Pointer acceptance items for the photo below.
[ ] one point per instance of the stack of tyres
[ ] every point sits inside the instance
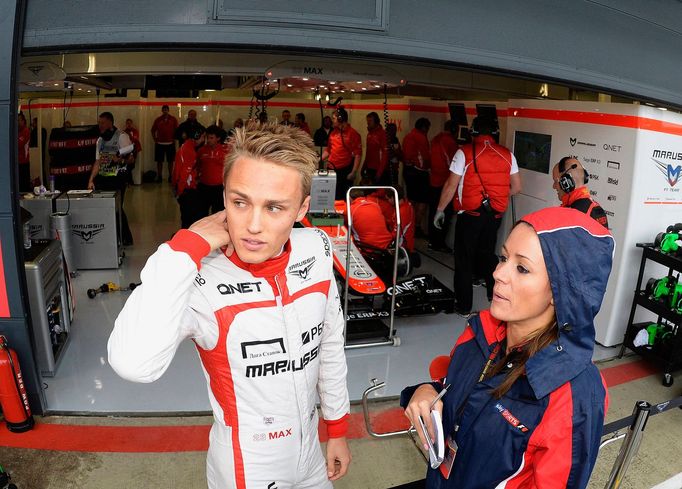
(670, 242)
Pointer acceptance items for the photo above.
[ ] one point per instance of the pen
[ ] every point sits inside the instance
(439, 396)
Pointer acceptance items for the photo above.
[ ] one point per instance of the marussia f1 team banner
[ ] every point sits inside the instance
(660, 158)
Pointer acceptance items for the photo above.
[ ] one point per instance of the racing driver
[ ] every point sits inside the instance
(259, 300)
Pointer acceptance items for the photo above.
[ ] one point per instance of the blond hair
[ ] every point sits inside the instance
(283, 145)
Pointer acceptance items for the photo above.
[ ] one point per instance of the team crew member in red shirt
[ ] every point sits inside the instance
(163, 132)
(443, 149)
(185, 179)
(259, 301)
(299, 121)
(483, 174)
(24, 162)
(417, 163)
(344, 150)
(211, 160)
(570, 183)
(369, 222)
(376, 154)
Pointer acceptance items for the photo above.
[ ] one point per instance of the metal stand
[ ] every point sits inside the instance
(391, 339)
(633, 439)
(636, 423)
(411, 431)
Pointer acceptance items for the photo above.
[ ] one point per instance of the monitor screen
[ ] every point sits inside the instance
(458, 114)
(486, 110)
(533, 150)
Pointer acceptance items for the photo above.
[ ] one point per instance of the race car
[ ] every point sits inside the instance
(370, 293)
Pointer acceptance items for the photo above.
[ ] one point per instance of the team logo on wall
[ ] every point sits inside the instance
(575, 141)
(87, 231)
(670, 173)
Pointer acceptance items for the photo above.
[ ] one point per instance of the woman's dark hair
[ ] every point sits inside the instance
(519, 355)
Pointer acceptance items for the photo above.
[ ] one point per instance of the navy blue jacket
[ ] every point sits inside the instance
(545, 431)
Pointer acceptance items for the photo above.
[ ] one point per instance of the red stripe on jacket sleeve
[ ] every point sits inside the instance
(551, 444)
(191, 243)
(337, 428)
(467, 335)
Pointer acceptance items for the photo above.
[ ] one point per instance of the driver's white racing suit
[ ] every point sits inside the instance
(270, 338)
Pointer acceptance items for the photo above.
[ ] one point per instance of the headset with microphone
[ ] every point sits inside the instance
(341, 114)
(566, 181)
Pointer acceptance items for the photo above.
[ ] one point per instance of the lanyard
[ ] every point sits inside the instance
(486, 368)
(489, 362)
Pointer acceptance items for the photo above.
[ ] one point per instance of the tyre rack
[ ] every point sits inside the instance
(670, 352)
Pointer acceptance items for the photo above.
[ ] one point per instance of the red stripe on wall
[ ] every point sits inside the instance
(128, 439)
(4, 301)
(627, 372)
(616, 120)
(159, 439)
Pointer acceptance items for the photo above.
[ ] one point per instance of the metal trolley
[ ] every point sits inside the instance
(384, 335)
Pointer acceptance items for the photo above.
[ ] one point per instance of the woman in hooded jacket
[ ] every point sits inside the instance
(525, 405)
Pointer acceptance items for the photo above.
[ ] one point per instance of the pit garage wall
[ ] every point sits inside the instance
(404, 112)
(616, 144)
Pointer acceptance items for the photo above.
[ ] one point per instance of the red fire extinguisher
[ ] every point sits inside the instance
(13, 398)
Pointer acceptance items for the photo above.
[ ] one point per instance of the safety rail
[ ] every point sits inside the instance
(635, 424)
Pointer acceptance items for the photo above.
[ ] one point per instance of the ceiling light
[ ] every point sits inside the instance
(332, 82)
(304, 79)
(289, 85)
(210, 90)
(359, 82)
(364, 88)
(56, 84)
(377, 86)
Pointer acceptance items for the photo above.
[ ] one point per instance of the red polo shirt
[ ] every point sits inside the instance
(163, 130)
(211, 162)
(416, 151)
(376, 155)
(343, 146)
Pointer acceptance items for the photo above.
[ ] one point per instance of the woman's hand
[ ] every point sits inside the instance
(420, 405)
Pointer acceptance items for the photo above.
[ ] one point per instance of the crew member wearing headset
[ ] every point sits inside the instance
(566, 174)
(344, 150)
(483, 175)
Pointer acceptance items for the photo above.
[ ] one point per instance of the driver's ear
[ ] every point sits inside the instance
(303, 210)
